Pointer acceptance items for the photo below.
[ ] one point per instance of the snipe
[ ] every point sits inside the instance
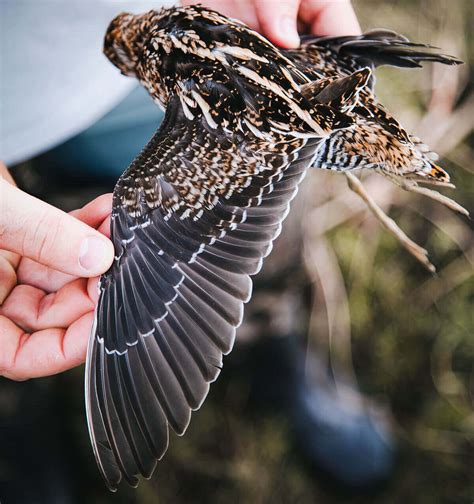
(198, 209)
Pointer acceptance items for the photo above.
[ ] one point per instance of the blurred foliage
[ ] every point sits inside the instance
(413, 335)
(410, 339)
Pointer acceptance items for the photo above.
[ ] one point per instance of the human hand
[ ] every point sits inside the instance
(277, 19)
(48, 281)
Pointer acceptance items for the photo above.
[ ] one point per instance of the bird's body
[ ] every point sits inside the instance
(197, 211)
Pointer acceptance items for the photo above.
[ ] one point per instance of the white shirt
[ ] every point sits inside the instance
(54, 79)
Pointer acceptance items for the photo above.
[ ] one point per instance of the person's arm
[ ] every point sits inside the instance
(277, 19)
(46, 301)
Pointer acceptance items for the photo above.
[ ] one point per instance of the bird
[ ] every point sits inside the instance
(197, 211)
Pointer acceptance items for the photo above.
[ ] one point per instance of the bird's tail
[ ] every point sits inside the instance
(370, 145)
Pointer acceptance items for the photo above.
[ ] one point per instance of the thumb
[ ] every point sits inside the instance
(278, 21)
(34, 229)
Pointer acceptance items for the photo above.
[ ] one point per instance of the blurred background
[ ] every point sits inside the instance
(367, 315)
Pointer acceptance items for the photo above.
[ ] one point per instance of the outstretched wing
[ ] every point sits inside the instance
(193, 218)
(328, 56)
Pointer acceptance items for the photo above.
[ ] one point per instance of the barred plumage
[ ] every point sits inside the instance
(197, 211)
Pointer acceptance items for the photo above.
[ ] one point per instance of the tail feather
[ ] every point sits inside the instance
(431, 172)
(369, 145)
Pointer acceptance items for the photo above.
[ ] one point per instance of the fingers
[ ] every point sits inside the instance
(244, 10)
(43, 277)
(51, 237)
(8, 260)
(95, 214)
(60, 325)
(330, 17)
(33, 310)
(278, 21)
(24, 356)
(96, 211)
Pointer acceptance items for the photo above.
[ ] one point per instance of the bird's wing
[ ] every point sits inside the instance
(373, 48)
(193, 218)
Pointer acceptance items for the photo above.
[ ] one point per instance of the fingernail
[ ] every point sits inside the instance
(92, 254)
(288, 30)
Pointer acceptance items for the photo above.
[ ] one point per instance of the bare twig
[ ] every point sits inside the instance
(325, 272)
(456, 273)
